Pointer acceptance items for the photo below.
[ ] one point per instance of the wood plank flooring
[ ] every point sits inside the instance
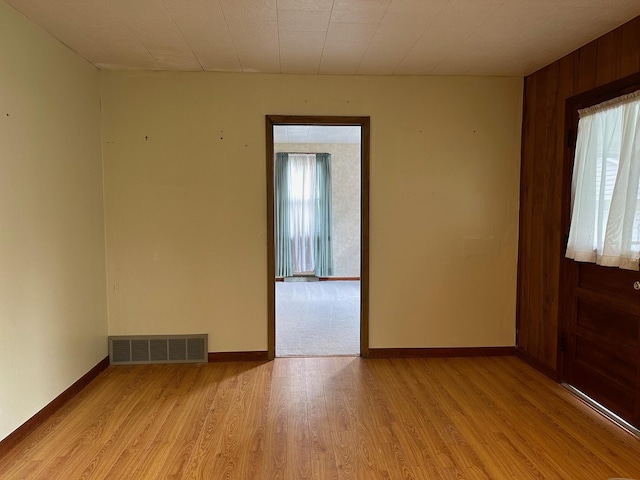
(326, 418)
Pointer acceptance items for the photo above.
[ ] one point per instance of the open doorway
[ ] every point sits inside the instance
(319, 292)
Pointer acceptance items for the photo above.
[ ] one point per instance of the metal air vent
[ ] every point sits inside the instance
(140, 349)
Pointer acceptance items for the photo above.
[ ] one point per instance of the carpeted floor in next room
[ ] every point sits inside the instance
(317, 318)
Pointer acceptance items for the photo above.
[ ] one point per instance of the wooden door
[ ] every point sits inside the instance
(600, 306)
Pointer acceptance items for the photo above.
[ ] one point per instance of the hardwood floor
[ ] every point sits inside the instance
(326, 418)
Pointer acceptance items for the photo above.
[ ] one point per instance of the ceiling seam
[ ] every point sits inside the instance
(235, 48)
(471, 32)
(364, 54)
(420, 37)
(279, 44)
(183, 36)
(133, 32)
(326, 35)
(128, 27)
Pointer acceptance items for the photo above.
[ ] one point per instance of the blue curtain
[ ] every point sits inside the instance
(323, 247)
(282, 207)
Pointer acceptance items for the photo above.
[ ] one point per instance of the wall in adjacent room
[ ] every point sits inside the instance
(53, 320)
(185, 189)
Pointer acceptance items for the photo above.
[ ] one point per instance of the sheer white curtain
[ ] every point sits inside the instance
(605, 218)
(302, 181)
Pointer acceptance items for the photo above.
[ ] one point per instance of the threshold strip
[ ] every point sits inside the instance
(621, 422)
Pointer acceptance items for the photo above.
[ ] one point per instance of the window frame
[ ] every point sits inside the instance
(577, 102)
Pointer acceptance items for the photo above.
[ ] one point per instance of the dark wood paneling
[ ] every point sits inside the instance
(8, 443)
(535, 363)
(541, 245)
(585, 78)
(536, 289)
(524, 316)
(630, 48)
(441, 352)
(606, 59)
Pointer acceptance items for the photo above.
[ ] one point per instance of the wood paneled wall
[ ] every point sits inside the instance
(541, 245)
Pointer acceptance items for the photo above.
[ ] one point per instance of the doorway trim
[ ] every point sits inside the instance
(364, 123)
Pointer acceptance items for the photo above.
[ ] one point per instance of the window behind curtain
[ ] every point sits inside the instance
(605, 218)
(302, 197)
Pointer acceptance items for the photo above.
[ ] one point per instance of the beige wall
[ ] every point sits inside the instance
(53, 322)
(345, 193)
(185, 188)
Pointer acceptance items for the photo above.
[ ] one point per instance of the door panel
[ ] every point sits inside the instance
(602, 357)
(619, 327)
(610, 281)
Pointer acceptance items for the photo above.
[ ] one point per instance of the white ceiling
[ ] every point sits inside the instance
(378, 37)
(315, 134)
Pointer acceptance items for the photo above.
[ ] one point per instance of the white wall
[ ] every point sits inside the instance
(345, 193)
(53, 323)
(185, 184)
